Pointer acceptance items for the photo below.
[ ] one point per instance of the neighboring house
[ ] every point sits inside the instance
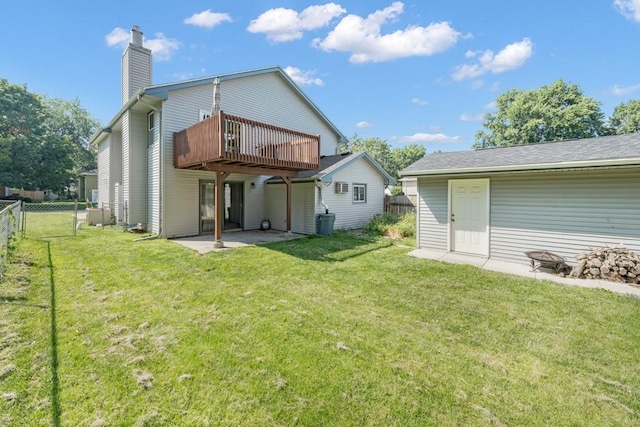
(565, 197)
(88, 185)
(409, 186)
(192, 157)
(349, 185)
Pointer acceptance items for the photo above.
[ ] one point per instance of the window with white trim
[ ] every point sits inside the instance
(203, 115)
(359, 193)
(151, 125)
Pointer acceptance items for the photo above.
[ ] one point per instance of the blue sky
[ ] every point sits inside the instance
(408, 72)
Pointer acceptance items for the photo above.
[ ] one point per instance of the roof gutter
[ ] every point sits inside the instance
(107, 129)
(525, 168)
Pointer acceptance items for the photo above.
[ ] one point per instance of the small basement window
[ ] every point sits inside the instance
(359, 193)
(342, 187)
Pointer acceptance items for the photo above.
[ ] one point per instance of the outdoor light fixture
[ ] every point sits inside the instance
(253, 185)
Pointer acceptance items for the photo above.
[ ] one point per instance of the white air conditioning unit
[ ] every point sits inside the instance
(342, 187)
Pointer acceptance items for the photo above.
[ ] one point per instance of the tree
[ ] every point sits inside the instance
(404, 156)
(626, 118)
(552, 113)
(376, 147)
(391, 160)
(21, 132)
(43, 142)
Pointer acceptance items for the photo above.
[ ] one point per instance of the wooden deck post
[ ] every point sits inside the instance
(219, 209)
(287, 181)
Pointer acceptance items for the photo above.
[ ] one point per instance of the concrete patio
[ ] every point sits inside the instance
(523, 270)
(235, 239)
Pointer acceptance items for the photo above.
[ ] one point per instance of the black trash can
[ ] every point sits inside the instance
(324, 223)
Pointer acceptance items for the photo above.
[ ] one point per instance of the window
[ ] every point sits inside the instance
(359, 193)
(151, 125)
(203, 115)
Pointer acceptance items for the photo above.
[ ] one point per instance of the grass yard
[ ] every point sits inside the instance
(98, 330)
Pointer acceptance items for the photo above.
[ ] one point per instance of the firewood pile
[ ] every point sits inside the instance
(617, 264)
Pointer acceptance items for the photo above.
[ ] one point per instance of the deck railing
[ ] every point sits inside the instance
(225, 138)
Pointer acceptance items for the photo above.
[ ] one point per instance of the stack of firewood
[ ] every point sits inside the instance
(617, 264)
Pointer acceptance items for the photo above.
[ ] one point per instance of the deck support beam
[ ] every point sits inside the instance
(287, 182)
(219, 208)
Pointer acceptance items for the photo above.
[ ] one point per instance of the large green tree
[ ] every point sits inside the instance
(43, 142)
(626, 118)
(21, 132)
(393, 160)
(551, 113)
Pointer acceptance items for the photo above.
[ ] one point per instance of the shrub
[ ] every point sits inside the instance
(393, 225)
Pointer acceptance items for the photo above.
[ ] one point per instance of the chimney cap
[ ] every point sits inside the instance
(136, 36)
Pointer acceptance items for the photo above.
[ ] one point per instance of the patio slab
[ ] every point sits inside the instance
(235, 239)
(523, 270)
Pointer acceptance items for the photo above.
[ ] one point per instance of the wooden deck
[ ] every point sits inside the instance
(232, 143)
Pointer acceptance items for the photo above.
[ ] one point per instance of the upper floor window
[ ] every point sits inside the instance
(359, 193)
(151, 125)
(203, 115)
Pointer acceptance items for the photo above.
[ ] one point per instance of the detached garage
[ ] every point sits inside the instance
(564, 197)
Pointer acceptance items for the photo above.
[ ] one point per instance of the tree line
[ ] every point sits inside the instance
(552, 113)
(44, 142)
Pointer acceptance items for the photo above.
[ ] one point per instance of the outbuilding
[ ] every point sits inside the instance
(498, 203)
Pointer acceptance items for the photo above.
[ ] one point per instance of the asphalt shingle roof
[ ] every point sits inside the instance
(531, 155)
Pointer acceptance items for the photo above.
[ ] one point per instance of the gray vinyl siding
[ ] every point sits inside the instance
(432, 213)
(350, 215)
(564, 212)
(264, 98)
(302, 207)
(153, 183)
(104, 154)
(126, 157)
(136, 71)
(267, 98)
(137, 200)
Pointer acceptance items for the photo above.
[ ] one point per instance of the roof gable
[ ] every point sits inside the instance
(162, 90)
(615, 150)
(330, 165)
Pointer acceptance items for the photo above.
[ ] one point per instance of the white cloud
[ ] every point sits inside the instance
(624, 90)
(363, 39)
(490, 106)
(471, 117)
(283, 25)
(207, 19)
(629, 8)
(429, 138)
(303, 78)
(477, 84)
(511, 57)
(418, 101)
(363, 124)
(161, 46)
(118, 37)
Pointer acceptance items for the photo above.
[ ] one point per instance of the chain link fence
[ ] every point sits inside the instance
(50, 219)
(9, 228)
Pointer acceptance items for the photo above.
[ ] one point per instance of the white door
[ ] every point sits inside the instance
(470, 216)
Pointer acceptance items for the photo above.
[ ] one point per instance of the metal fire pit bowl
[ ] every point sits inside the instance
(546, 259)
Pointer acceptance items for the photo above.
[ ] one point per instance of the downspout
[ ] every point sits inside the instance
(160, 164)
(319, 185)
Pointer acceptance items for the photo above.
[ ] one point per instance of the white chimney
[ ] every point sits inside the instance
(136, 36)
(136, 65)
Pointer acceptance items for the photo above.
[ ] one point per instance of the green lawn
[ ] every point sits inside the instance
(317, 331)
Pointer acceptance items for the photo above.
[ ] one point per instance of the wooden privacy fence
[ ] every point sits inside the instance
(400, 205)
